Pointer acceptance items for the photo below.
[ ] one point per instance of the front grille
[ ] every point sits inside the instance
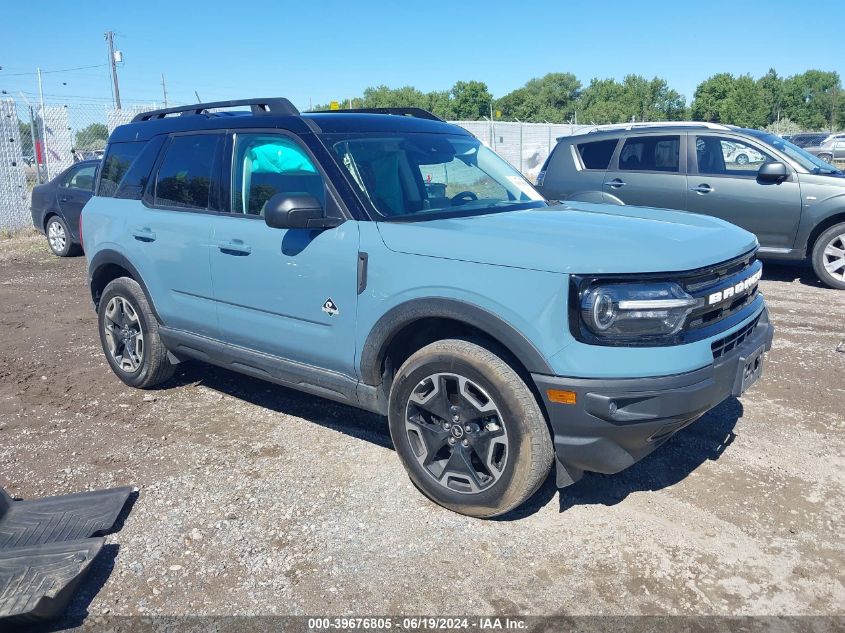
(732, 341)
(716, 280)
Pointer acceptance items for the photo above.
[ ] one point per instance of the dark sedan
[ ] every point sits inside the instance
(56, 206)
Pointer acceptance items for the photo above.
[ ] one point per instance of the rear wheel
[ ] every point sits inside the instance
(129, 335)
(468, 429)
(58, 237)
(829, 256)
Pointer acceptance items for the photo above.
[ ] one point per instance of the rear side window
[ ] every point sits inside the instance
(81, 177)
(134, 182)
(186, 174)
(597, 155)
(651, 153)
(119, 157)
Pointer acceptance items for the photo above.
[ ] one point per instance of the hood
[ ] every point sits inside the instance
(577, 238)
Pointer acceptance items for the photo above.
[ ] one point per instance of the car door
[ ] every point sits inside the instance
(75, 190)
(839, 147)
(169, 238)
(724, 185)
(648, 170)
(289, 293)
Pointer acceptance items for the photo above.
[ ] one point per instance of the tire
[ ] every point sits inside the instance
(58, 237)
(123, 303)
(829, 256)
(501, 432)
(742, 159)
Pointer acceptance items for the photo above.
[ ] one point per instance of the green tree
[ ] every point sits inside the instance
(439, 103)
(470, 100)
(770, 87)
(814, 99)
(636, 98)
(602, 102)
(724, 98)
(548, 98)
(93, 136)
(384, 97)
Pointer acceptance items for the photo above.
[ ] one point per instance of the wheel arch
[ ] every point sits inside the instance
(821, 227)
(423, 320)
(108, 265)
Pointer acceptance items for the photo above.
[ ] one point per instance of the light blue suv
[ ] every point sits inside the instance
(388, 260)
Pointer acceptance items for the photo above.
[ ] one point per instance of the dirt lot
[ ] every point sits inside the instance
(257, 499)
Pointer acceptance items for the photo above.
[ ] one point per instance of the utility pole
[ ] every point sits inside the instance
(110, 40)
(164, 89)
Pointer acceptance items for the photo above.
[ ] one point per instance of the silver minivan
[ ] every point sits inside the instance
(793, 201)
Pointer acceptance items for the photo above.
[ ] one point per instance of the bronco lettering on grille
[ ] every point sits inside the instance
(736, 289)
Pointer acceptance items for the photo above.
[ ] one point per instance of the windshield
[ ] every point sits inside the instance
(428, 176)
(813, 164)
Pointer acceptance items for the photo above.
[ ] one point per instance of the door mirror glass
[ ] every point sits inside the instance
(772, 172)
(296, 211)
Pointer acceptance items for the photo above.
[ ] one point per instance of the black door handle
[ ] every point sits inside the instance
(616, 183)
(702, 188)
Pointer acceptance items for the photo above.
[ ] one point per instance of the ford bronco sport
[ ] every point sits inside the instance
(388, 260)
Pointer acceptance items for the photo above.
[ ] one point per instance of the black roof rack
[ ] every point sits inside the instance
(273, 106)
(417, 113)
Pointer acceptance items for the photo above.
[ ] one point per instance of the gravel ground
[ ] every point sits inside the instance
(255, 499)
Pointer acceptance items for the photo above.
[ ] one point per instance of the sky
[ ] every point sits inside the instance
(316, 52)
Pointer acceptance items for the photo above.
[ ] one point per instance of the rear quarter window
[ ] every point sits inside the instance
(116, 163)
(597, 154)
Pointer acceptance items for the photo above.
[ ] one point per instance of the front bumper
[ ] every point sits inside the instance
(616, 422)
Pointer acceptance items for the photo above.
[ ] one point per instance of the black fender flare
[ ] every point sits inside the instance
(395, 319)
(111, 257)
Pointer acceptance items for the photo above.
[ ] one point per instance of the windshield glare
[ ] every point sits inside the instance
(422, 176)
(808, 161)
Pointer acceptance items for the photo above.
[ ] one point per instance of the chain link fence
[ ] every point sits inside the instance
(37, 144)
(524, 145)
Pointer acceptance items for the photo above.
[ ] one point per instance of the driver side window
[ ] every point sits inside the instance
(723, 156)
(267, 164)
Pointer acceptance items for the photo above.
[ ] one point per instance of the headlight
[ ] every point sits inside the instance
(624, 311)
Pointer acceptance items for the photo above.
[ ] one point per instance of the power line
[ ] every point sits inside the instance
(61, 70)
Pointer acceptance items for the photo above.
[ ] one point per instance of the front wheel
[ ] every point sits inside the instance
(129, 335)
(829, 256)
(468, 429)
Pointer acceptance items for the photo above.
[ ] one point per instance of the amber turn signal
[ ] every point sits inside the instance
(560, 396)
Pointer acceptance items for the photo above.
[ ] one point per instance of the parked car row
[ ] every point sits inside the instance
(793, 201)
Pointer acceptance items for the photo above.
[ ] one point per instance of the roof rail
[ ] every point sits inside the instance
(417, 113)
(271, 106)
(635, 125)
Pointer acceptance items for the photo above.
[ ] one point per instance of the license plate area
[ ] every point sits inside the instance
(749, 371)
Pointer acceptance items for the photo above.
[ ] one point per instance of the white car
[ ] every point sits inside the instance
(741, 154)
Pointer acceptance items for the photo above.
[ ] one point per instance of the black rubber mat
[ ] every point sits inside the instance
(57, 519)
(37, 582)
(46, 549)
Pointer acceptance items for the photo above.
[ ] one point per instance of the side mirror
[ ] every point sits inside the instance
(296, 211)
(772, 172)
